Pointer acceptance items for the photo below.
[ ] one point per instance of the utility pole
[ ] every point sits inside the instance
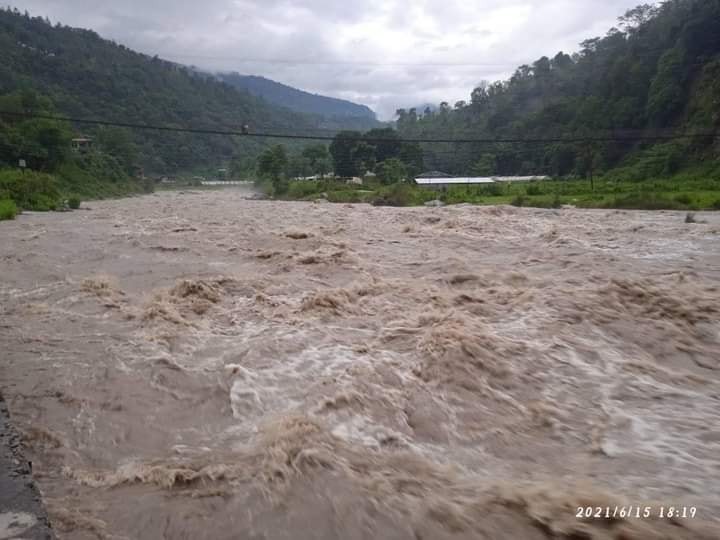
(590, 158)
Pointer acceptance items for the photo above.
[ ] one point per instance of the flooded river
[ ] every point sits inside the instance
(197, 365)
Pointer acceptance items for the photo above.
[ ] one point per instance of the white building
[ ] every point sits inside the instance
(472, 180)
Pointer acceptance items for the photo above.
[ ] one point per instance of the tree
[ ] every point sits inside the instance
(387, 142)
(272, 164)
(479, 97)
(317, 154)
(364, 157)
(119, 142)
(402, 118)
(666, 90)
(636, 17)
(444, 111)
(485, 166)
(323, 166)
(341, 150)
(411, 154)
(299, 167)
(391, 171)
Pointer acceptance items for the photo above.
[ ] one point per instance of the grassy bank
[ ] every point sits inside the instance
(32, 190)
(689, 191)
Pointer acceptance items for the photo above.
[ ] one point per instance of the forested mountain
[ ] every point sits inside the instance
(657, 72)
(86, 76)
(335, 113)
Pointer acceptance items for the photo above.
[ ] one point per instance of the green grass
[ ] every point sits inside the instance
(8, 209)
(690, 190)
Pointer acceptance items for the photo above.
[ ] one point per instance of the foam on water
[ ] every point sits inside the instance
(279, 369)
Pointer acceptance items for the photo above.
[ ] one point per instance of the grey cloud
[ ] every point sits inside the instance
(495, 35)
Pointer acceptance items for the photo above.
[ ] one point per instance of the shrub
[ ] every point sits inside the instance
(683, 199)
(347, 196)
(643, 201)
(518, 200)
(74, 202)
(148, 185)
(395, 195)
(8, 209)
(534, 189)
(716, 205)
(492, 190)
(30, 190)
(300, 189)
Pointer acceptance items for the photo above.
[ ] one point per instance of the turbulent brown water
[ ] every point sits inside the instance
(197, 365)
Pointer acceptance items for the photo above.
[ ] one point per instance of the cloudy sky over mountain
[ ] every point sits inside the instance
(382, 53)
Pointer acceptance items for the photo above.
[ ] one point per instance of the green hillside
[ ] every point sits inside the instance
(86, 76)
(657, 73)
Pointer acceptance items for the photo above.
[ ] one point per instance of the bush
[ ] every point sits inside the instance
(643, 201)
(74, 202)
(518, 200)
(148, 185)
(301, 189)
(8, 209)
(348, 196)
(30, 190)
(534, 189)
(683, 199)
(396, 195)
(716, 205)
(492, 190)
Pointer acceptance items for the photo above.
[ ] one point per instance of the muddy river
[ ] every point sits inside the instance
(197, 365)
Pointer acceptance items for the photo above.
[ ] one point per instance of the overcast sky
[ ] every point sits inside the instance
(382, 53)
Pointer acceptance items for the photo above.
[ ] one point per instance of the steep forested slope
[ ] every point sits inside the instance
(657, 72)
(89, 77)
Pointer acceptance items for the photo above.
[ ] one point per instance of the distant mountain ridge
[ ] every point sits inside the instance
(295, 99)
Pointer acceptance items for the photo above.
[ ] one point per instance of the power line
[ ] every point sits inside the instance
(242, 133)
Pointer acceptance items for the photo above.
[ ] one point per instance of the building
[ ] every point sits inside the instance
(438, 180)
(454, 180)
(519, 178)
(81, 144)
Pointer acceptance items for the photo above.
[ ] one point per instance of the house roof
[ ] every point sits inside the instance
(446, 180)
(454, 180)
(519, 178)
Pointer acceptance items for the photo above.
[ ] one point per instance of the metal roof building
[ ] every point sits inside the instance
(453, 180)
(472, 180)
